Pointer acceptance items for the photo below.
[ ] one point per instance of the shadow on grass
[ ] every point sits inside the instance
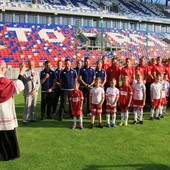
(66, 123)
(133, 166)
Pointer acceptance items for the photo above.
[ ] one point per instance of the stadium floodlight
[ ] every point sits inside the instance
(147, 39)
(76, 36)
(101, 20)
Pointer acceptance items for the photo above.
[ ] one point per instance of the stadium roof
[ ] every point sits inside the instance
(163, 2)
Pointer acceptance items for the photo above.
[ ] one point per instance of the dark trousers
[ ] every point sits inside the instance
(64, 96)
(46, 103)
(57, 94)
(104, 103)
(168, 102)
(86, 94)
(9, 148)
(148, 98)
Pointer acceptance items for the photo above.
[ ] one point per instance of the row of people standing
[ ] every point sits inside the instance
(127, 95)
(59, 83)
(64, 79)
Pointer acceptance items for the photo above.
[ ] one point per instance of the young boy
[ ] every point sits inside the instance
(76, 102)
(125, 98)
(112, 96)
(165, 95)
(97, 96)
(156, 97)
(139, 96)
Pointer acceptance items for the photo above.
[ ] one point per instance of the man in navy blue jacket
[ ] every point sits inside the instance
(47, 80)
(86, 77)
(67, 78)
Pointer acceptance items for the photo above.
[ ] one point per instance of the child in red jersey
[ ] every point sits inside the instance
(97, 96)
(125, 98)
(76, 102)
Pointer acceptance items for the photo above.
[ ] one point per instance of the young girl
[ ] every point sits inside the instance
(76, 102)
(97, 96)
(165, 95)
(139, 96)
(125, 98)
(156, 97)
(112, 96)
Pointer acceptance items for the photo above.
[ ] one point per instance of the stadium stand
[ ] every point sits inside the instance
(128, 8)
(139, 9)
(49, 41)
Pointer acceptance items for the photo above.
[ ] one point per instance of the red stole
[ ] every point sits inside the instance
(7, 89)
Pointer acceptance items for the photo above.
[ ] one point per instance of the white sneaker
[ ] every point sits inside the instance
(89, 114)
(24, 122)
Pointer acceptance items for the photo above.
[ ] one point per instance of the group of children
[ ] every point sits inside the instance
(127, 95)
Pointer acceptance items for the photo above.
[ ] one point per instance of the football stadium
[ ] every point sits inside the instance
(51, 31)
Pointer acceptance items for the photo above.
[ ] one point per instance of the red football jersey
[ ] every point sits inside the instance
(105, 66)
(128, 71)
(167, 70)
(142, 70)
(76, 98)
(159, 69)
(113, 72)
(150, 71)
(124, 94)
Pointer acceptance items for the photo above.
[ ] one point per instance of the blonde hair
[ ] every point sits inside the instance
(113, 79)
(98, 79)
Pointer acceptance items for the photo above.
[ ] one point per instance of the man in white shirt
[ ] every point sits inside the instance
(31, 80)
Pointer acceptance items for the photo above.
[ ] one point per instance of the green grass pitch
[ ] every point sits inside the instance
(52, 145)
